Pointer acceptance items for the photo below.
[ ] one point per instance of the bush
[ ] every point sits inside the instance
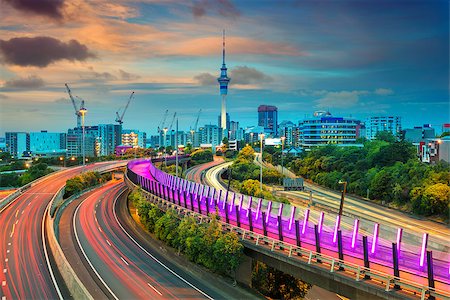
(200, 157)
(81, 182)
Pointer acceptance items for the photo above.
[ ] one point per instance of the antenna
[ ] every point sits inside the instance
(223, 41)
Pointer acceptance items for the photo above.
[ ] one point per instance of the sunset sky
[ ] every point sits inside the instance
(360, 58)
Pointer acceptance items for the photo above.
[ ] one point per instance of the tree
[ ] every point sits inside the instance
(385, 136)
(246, 154)
(228, 253)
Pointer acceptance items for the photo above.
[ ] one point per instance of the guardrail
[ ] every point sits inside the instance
(165, 190)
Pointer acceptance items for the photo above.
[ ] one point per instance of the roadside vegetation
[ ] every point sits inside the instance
(386, 170)
(35, 171)
(200, 157)
(204, 244)
(83, 181)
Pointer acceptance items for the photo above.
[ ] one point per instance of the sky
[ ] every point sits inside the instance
(355, 58)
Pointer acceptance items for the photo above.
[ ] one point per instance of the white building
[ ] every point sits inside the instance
(324, 129)
(47, 143)
(382, 123)
(134, 138)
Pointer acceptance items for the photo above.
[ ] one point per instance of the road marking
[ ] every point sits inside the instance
(12, 231)
(159, 293)
(17, 222)
(3, 283)
(29, 203)
(108, 243)
(3, 297)
(6, 260)
(124, 261)
(17, 212)
(9, 244)
(23, 212)
(100, 229)
(4, 270)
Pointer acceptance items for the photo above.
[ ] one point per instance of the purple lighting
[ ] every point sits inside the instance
(399, 238)
(269, 208)
(355, 233)
(291, 219)
(424, 248)
(375, 237)
(336, 228)
(249, 206)
(320, 225)
(240, 202)
(280, 211)
(232, 202)
(305, 221)
(258, 208)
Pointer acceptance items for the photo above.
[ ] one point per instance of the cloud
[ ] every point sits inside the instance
(41, 51)
(247, 75)
(62, 100)
(128, 76)
(224, 8)
(341, 99)
(103, 76)
(47, 8)
(206, 79)
(3, 96)
(384, 92)
(30, 82)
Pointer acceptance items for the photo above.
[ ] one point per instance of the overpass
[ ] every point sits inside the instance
(341, 261)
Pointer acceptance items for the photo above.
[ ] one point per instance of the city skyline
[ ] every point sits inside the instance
(358, 59)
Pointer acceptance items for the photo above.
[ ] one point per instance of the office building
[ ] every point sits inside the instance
(134, 138)
(45, 143)
(290, 133)
(324, 129)
(383, 123)
(74, 141)
(109, 137)
(210, 134)
(268, 118)
(17, 144)
(2, 144)
(236, 132)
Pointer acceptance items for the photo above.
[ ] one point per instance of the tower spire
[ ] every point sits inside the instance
(223, 52)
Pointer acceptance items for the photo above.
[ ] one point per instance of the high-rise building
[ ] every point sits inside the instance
(289, 131)
(134, 138)
(2, 144)
(227, 123)
(17, 144)
(75, 138)
(324, 129)
(383, 123)
(48, 143)
(210, 134)
(268, 118)
(223, 82)
(109, 136)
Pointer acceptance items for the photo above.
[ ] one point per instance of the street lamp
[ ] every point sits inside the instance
(341, 206)
(63, 161)
(283, 138)
(261, 136)
(83, 111)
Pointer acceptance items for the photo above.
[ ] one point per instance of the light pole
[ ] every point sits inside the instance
(83, 111)
(341, 206)
(261, 136)
(283, 138)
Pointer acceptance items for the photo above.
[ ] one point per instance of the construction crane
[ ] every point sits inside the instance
(77, 110)
(161, 125)
(169, 129)
(194, 129)
(119, 118)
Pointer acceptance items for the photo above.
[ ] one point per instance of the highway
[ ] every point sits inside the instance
(122, 262)
(196, 173)
(23, 257)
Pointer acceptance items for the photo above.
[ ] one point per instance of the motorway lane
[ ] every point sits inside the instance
(24, 269)
(195, 173)
(125, 268)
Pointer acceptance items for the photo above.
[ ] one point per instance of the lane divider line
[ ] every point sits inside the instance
(124, 261)
(159, 293)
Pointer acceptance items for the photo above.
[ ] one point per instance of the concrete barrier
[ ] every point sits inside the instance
(73, 283)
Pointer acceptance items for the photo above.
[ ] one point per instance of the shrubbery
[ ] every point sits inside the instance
(204, 243)
(200, 157)
(84, 181)
(34, 172)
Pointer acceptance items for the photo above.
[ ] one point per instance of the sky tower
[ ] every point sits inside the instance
(223, 81)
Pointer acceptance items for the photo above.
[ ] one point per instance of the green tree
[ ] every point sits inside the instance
(165, 227)
(247, 154)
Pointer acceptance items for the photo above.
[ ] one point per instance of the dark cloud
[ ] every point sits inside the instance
(247, 75)
(41, 51)
(103, 76)
(30, 82)
(48, 8)
(224, 8)
(128, 76)
(206, 79)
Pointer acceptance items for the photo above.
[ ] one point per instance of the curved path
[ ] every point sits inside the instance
(197, 172)
(122, 260)
(24, 260)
